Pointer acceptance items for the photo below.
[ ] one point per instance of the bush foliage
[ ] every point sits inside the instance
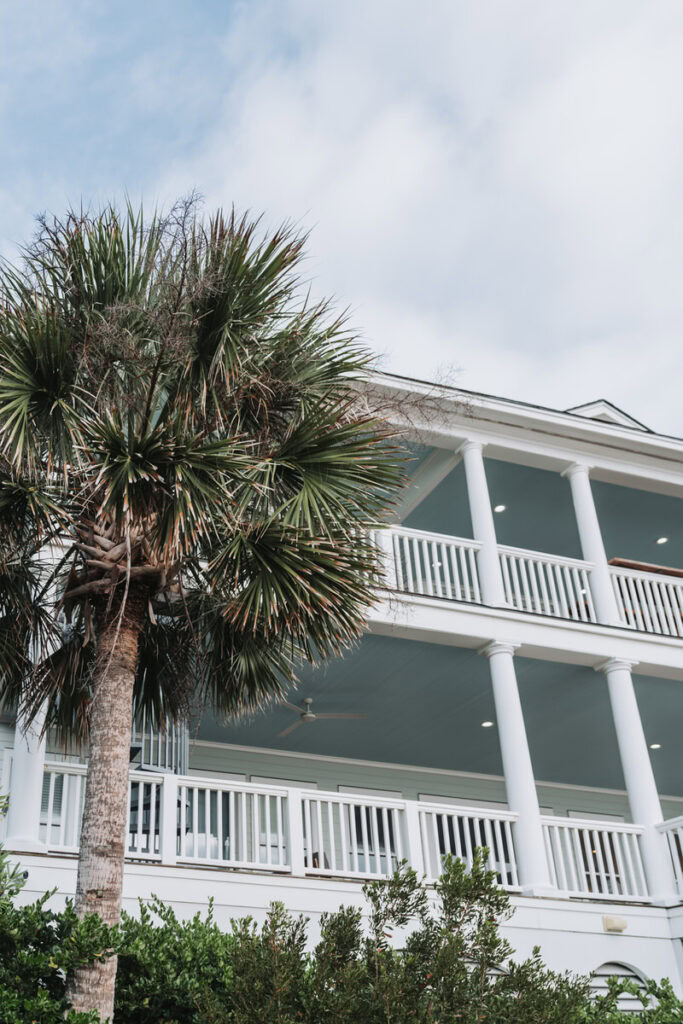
(416, 958)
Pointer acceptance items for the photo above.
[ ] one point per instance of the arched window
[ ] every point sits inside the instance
(629, 1003)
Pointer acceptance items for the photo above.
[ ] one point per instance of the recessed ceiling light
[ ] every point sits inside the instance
(486, 725)
(655, 746)
(662, 540)
(499, 508)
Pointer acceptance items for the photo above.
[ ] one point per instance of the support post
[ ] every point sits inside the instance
(384, 540)
(592, 545)
(519, 776)
(490, 575)
(295, 831)
(414, 852)
(169, 821)
(26, 786)
(639, 778)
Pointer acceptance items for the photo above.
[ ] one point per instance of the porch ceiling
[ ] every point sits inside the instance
(425, 704)
(539, 513)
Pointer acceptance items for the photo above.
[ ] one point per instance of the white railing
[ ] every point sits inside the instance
(160, 748)
(352, 835)
(648, 601)
(459, 831)
(232, 824)
(547, 584)
(595, 859)
(214, 823)
(434, 564)
(62, 809)
(672, 831)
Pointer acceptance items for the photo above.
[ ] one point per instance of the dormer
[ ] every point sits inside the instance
(607, 413)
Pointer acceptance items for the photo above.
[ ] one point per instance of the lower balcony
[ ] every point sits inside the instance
(208, 823)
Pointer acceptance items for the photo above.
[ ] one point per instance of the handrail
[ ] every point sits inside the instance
(546, 556)
(439, 538)
(223, 823)
(650, 602)
(595, 859)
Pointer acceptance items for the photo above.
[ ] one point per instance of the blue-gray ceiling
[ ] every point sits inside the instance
(631, 521)
(425, 704)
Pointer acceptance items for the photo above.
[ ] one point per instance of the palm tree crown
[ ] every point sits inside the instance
(188, 429)
(186, 487)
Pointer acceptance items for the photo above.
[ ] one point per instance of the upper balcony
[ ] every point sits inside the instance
(538, 544)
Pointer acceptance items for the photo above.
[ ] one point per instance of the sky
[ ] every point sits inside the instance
(493, 187)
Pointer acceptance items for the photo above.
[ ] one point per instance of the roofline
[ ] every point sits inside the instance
(575, 418)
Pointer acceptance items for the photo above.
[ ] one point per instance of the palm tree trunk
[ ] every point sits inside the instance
(100, 865)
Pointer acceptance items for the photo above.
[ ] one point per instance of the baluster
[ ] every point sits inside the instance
(532, 567)
(446, 573)
(408, 561)
(475, 591)
(507, 586)
(453, 553)
(561, 592)
(577, 588)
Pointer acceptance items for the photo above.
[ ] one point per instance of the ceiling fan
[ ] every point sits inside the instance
(306, 715)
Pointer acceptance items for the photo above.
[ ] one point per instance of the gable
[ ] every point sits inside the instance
(607, 413)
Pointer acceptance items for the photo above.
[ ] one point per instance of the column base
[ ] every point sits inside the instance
(541, 890)
(23, 844)
(672, 900)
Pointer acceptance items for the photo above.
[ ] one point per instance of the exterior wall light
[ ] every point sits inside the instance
(486, 725)
(655, 746)
(501, 508)
(662, 540)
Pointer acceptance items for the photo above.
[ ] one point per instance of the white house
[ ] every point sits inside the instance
(520, 687)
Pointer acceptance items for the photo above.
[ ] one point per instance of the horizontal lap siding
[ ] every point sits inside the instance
(330, 775)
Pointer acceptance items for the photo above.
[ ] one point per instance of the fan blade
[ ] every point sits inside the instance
(292, 707)
(290, 728)
(340, 714)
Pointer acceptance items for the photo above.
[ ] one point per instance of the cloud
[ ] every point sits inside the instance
(490, 185)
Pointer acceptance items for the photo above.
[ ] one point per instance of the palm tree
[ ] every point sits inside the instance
(181, 424)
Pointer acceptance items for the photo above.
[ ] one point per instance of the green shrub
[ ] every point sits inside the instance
(417, 957)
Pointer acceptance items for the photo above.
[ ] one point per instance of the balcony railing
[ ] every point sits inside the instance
(649, 601)
(433, 564)
(460, 832)
(223, 824)
(437, 565)
(547, 584)
(595, 859)
(672, 831)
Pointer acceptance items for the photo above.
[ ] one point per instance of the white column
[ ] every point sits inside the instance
(591, 543)
(26, 787)
(490, 575)
(640, 782)
(519, 775)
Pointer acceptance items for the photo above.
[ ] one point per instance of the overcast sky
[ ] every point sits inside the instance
(493, 185)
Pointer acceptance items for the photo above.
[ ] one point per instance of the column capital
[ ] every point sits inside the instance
(498, 647)
(576, 469)
(615, 665)
(469, 446)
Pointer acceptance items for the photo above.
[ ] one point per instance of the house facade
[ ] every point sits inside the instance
(520, 687)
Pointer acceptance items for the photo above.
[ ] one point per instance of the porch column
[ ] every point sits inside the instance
(490, 575)
(640, 782)
(519, 775)
(591, 543)
(26, 787)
